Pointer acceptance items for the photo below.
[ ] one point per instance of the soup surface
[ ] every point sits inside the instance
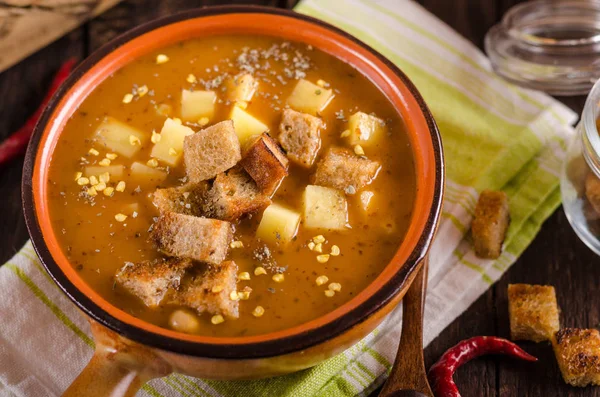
(106, 169)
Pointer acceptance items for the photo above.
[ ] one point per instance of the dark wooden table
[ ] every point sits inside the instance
(556, 257)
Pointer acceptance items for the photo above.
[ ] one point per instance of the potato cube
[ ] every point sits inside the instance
(325, 208)
(120, 137)
(241, 88)
(169, 148)
(577, 352)
(309, 98)
(114, 171)
(278, 224)
(197, 104)
(365, 129)
(141, 172)
(533, 312)
(246, 126)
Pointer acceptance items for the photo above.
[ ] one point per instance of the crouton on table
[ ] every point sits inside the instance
(152, 280)
(342, 169)
(533, 312)
(186, 236)
(300, 137)
(490, 223)
(266, 163)
(186, 199)
(210, 291)
(578, 355)
(232, 195)
(211, 151)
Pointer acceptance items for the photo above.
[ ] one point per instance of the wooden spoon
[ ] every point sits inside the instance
(408, 377)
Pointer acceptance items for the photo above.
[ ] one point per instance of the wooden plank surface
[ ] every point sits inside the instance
(556, 257)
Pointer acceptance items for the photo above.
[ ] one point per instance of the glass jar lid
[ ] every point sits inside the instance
(553, 46)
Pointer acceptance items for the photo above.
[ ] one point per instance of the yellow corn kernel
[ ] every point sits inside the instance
(155, 137)
(259, 271)
(93, 152)
(236, 244)
(191, 79)
(111, 156)
(345, 133)
(335, 250)
(311, 246)
(134, 140)
(104, 162)
(337, 287)
(244, 295)
(234, 296)
(321, 280)
(120, 217)
(278, 278)
(128, 98)
(319, 248)
(218, 319)
(104, 177)
(152, 163)
(216, 289)
(143, 90)
(93, 180)
(244, 276)
(203, 121)
(322, 258)
(329, 293)
(319, 239)
(359, 150)
(258, 311)
(78, 175)
(82, 181)
(160, 59)
(92, 191)
(109, 191)
(120, 186)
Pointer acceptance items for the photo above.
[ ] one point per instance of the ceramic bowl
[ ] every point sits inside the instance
(130, 351)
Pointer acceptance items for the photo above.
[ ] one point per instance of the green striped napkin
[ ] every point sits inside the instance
(495, 136)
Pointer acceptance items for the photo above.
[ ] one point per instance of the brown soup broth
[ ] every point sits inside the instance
(98, 246)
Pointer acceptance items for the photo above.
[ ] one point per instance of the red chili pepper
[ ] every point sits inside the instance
(17, 142)
(440, 374)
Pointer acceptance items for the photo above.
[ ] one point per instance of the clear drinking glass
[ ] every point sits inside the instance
(580, 179)
(553, 46)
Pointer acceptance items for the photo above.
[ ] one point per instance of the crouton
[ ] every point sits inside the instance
(186, 236)
(211, 151)
(300, 137)
(232, 195)
(210, 291)
(592, 190)
(266, 163)
(533, 312)
(151, 281)
(577, 352)
(186, 199)
(341, 169)
(490, 224)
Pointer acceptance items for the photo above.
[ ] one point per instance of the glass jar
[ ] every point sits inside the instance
(549, 45)
(580, 179)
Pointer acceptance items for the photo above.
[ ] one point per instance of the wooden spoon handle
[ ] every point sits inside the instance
(408, 373)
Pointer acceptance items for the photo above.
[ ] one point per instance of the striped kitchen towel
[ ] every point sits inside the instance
(495, 136)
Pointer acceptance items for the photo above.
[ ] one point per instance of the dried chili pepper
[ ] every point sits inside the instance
(17, 142)
(440, 374)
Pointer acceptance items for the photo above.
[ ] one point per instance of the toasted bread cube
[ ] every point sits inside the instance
(299, 135)
(170, 147)
(151, 281)
(592, 190)
(325, 208)
(115, 136)
(365, 129)
(309, 98)
(186, 199)
(278, 224)
(577, 352)
(197, 104)
(232, 195)
(490, 223)
(114, 171)
(142, 173)
(266, 163)
(209, 291)
(246, 125)
(211, 151)
(533, 312)
(186, 236)
(341, 169)
(241, 88)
